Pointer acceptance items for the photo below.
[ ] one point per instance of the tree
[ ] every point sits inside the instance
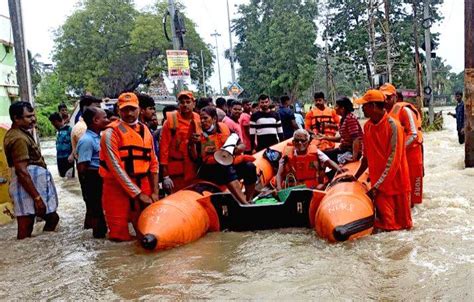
(93, 50)
(276, 48)
(148, 39)
(106, 47)
(51, 92)
(360, 30)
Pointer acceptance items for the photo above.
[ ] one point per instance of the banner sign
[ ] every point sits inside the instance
(178, 65)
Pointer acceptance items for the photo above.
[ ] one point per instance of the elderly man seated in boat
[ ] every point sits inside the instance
(204, 141)
(303, 163)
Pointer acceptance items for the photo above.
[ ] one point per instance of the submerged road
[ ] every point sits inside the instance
(435, 260)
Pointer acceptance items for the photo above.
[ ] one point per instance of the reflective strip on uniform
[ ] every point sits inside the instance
(123, 177)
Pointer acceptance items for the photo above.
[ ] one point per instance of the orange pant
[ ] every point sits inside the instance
(120, 208)
(393, 211)
(415, 166)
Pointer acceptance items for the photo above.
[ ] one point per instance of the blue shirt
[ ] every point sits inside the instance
(286, 116)
(88, 149)
(63, 142)
(460, 115)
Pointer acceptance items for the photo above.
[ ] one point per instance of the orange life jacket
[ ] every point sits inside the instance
(135, 149)
(178, 145)
(211, 143)
(397, 109)
(323, 121)
(305, 168)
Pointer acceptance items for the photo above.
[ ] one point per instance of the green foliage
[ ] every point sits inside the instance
(437, 122)
(51, 93)
(350, 45)
(93, 51)
(276, 49)
(148, 39)
(107, 46)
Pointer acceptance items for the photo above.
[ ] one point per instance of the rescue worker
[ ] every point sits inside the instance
(384, 155)
(129, 168)
(202, 146)
(303, 163)
(410, 119)
(322, 120)
(350, 134)
(178, 170)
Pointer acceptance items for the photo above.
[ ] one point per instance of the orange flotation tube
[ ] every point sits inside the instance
(345, 212)
(188, 214)
(340, 213)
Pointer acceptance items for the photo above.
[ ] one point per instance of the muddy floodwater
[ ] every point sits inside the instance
(435, 260)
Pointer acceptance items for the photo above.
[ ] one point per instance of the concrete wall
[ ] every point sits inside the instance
(8, 81)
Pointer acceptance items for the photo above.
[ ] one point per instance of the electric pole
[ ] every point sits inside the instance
(215, 35)
(21, 52)
(231, 52)
(469, 82)
(203, 76)
(176, 45)
(419, 91)
(429, 73)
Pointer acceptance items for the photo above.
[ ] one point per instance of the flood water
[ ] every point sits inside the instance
(435, 260)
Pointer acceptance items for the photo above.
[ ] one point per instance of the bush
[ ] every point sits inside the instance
(437, 122)
(44, 126)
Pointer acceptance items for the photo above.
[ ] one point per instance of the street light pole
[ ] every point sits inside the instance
(231, 52)
(215, 35)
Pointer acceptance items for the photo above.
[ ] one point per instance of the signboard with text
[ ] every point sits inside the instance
(235, 89)
(178, 65)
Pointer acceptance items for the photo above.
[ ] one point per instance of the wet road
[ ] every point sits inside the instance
(435, 260)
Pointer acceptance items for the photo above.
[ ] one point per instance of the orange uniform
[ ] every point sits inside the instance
(173, 149)
(325, 122)
(306, 169)
(410, 119)
(388, 170)
(127, 159)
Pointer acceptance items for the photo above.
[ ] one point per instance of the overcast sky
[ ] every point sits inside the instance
(41, 17)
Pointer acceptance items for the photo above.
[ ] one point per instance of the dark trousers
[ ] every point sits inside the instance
(91, 186)
(64, 165)
(461, 137)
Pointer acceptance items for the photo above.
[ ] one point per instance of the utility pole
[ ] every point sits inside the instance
(469, 82)
(231, 52)
(419, 91)
(429, 72)
(176, 45)
(215, 35)
(21, 52)
(203, 75)
(388, 39)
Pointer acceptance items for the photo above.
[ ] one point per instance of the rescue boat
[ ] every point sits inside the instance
(342, 212)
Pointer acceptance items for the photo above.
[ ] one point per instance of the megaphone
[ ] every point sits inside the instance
(225, 155)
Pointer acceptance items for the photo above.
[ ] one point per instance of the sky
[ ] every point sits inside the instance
(42, 17)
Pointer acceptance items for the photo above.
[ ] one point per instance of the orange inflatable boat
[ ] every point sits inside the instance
(341, 212)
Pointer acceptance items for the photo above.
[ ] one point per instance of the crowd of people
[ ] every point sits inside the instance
(126, 161)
